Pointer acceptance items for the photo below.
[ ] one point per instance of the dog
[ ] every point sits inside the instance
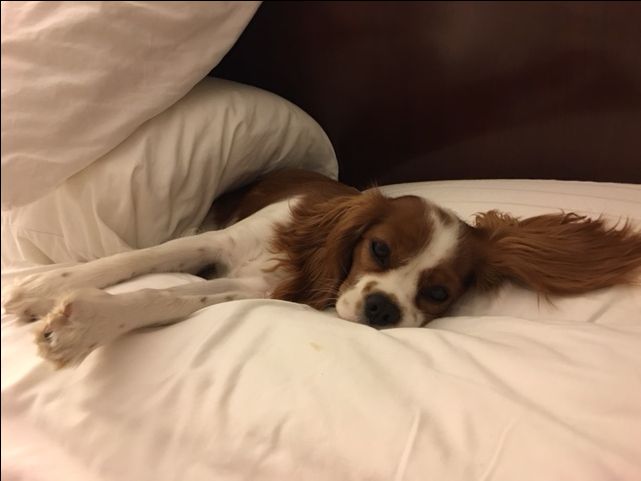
(302, 237)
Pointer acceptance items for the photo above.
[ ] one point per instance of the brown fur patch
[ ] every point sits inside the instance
(203, 299)
(369, 286)
(557, 253)
(65, 274)
(271, 188)
(318, 243)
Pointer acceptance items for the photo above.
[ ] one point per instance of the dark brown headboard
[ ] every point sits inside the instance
(420, 90)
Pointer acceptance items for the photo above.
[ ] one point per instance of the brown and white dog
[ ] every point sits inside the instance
(299, 236)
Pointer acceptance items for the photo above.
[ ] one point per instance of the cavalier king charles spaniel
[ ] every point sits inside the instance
(299, 236)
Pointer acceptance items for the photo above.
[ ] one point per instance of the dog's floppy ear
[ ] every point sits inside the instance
(318, 245)
(556, 253)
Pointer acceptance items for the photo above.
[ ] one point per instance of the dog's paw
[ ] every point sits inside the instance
(74, 328)
(32, 297)
(50, 284)
(25, 308)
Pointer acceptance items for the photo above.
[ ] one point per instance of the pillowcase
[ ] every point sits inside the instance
(79, 77)
(160, 182)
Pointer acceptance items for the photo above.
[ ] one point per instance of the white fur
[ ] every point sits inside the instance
(402, 282)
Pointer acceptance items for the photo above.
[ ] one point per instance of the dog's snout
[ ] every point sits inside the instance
(381, 311)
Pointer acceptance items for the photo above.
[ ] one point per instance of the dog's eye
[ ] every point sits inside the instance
(380, 251)
(435, 293)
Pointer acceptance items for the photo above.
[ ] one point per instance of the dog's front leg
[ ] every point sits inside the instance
(33, 296)
(87, 318)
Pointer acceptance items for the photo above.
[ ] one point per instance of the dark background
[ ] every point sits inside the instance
(412, 91)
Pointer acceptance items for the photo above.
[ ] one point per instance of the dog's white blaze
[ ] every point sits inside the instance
(402, 283)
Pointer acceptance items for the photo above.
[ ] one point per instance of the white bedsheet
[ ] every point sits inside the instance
(507, 388)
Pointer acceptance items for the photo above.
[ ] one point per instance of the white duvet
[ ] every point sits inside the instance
(78, 78)
(508, 388)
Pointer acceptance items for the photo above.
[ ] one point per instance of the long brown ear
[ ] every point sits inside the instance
(317, 245)
(557, 253)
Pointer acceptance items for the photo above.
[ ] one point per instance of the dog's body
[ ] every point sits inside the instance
(299, 236)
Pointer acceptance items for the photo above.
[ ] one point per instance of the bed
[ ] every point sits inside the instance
(509, 386)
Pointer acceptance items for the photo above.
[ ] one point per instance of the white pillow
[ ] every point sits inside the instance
(160, 182)
(79, 77)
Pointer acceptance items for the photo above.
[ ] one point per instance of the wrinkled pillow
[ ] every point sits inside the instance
(79, 77)
(160, 182)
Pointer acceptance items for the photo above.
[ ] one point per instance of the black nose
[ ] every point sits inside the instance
(381, 311)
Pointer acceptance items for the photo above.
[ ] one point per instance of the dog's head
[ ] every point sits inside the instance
(408, 266)
(404, 261)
